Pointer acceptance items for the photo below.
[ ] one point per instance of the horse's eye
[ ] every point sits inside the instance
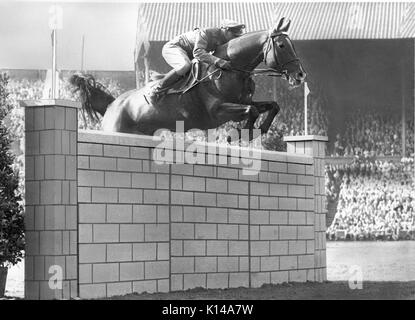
(280, 45)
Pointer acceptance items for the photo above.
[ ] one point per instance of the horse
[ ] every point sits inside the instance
(221, 96)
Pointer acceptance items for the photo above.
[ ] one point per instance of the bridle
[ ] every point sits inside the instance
(281, 68)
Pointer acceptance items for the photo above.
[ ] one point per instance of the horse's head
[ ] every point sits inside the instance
(279, 54)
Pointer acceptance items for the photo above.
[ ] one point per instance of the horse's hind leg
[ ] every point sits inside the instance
(264, 106)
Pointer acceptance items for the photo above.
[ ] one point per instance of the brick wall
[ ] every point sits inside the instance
(117, 222)
(156, 228)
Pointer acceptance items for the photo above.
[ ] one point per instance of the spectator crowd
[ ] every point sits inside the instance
(372, 133)
(376, 200)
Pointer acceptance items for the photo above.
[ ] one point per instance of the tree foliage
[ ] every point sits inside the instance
(11, 210)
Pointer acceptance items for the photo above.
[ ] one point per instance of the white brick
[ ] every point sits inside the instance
(193, 183)
(278, 217)
(205, 231)
(228, 264)
(228, 231)
(306, 261)
(119, 252)
(149, 286)
(91, 213)
(269, 263)
(268, 232)
(117, 179)
(119, 289)
(182, 264)
(238, 248)
(106, 272)
(237, 280)
(194, 281)
(298, 276)
(156, 232)
(238, 216)
(102, 163)
(217, 248)
(194, 247)
(288, 262)
(218, 215)
(131, 271)
(259, 217)
(288, 232)
(205, 264)
(297, 247)
(119, 213)
(156, 270)
(194, 214)
(131, 232)
(106, 233)
(144, 251)
(260, 278)
(163, 251)
(217, 280)
(182, 231)
(92, 291)
(144, 213)
(260, 248)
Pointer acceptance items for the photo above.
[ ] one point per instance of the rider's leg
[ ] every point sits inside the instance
(178, 59)
(170, 78)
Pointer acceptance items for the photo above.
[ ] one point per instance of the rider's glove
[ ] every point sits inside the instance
(223, 64)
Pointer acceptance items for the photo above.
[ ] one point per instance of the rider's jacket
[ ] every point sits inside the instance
(200, 42)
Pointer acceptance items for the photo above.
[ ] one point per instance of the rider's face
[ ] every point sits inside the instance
(229, 34)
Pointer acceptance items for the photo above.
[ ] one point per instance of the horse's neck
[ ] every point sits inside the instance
(245, 51)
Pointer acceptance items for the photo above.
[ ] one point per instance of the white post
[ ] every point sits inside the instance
(306, 92)
(54, 46)
(55, 23)
(82, 52)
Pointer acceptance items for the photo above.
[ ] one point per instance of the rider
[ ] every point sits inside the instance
(198, 43)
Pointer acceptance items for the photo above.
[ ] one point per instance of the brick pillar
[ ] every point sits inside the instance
(51, 199)
(315, 146)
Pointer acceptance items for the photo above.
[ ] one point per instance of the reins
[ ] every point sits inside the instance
(271, 72)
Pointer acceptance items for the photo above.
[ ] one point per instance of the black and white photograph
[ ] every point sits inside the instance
(207, 151)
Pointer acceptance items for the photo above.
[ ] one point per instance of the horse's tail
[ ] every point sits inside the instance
(94, 96)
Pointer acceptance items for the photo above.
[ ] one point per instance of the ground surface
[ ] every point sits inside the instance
(387, 269)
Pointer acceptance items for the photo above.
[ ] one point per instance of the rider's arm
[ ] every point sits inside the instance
(201, 48)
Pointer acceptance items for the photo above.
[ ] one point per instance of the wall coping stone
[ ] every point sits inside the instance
(49, 103)
(309, 137)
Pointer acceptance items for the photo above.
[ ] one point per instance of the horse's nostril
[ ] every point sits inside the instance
(301, 76)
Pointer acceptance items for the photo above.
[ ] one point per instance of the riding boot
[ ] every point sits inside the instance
(170, 78)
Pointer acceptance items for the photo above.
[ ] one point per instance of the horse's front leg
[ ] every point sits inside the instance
(228, 111)
(264, 106)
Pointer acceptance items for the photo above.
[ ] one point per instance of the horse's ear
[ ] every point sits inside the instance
(286, 26)
(283, 25)
(280, 23)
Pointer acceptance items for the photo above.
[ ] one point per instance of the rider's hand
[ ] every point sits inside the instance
(223, 64)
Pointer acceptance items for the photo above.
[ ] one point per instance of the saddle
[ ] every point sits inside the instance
(189, 80)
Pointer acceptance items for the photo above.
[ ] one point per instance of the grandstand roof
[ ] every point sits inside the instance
(311, 20)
